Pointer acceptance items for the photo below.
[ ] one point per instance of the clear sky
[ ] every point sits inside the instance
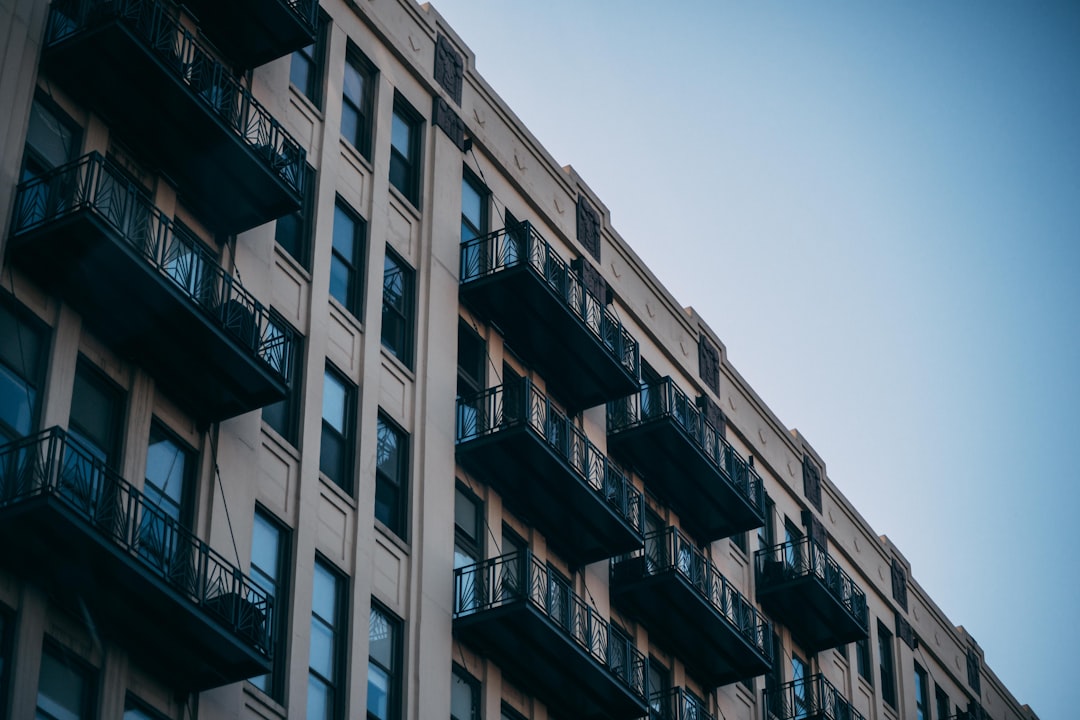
(877, 208)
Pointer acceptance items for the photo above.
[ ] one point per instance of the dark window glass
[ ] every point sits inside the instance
(922, 694)
(346, 278)
(356, 101)
(65, 687)
(306, 68)
(384, 668)
(391, 476)
(659, 685)
(270, 571)
(941, 699)
(397, 307)
(468, 518)
(96, 414)
(474, 208)
(798, 691)
(338, 429)
(405, 151)
(862, 660)
(169, 479)
(326, 661)
(284, 415)
(52, 139)
(293, 231)
(22, 355)
(885, 659)
(464, 696)
(136, 709)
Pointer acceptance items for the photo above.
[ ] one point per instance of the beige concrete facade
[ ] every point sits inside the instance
(243, 464)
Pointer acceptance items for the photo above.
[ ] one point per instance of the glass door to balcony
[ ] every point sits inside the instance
(166, 507)
(800, 701)
(94, 425)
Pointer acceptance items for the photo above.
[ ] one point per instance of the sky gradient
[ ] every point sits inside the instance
(877, 208)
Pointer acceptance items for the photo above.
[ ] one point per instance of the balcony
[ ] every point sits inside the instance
(801, 586)
(515, 279)
(96, 543)
(685, 461)
(547, 639)
(684, 601)
(87, 232)
(677, 704)
(254, 32)
(812, 698)
(549, 472)
(179, 110)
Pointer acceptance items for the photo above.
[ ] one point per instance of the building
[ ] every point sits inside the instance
(244, 244)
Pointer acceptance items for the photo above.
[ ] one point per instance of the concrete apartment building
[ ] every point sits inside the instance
(325, 391)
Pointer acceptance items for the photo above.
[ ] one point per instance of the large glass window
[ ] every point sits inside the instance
(922, 694)
(65, 687)
(356, 100)
(52, 139)
(886, 665)
(346, 261)
(464, 696)
(405, 151)
(800, 697)
(863, 661)
(270, 571)
(94, 428)
(326, 662)
(306, 68)
(293, 231)
(391, 476)
(338, 429)
(397, 307)
(22, 354)
(474, 208)
(941, 700)
(384, 665)
(169, 467)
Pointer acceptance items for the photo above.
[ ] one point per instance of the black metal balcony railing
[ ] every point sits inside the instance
(93, 185)
(254, 32)
(499, 254)
(521, 580)
(812, 698)
(663, 401)
(150, 78)
(804, 587)
(53, 469)
(677, 704)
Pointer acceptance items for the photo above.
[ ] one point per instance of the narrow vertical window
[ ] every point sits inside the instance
(358, 90)
(293, 231)
(169, 478)
(941, 700)
(270, 571)
(803, 700)
(346, 278)
(886, 666)
(405, 151)
(391, 476)
(922, 694)
(65, 687)
(326, 663)
(22, 355)
(7, 635)
(474, 208)
(863, 661)
(338, 429)
(52, 139)
(397, 307)
(464, 695)
(306, 68)
(384, 670)
(284, 415)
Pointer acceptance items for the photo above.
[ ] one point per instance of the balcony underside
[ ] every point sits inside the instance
(145, 316)
(682, 620)
(182, 643)
(804, 604)
(677, 470)
(580, 370)
(152, 111)
(540, 486)
(253, 32)
(546, 663)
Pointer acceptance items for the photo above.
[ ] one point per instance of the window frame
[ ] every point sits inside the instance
(346, 437)
(409, 164)
(339, 633)
(363, 107)
(394, 672)
(89, 675)
(942, 702)
(24, 321)
(922, 693)
(397, 519)
(289, 406)
(279, 592)
(864, 661)
(35, 162)
(458, 673)
(468, 178)
(353, 301)
(404, 313)
(886, 665)
(301, 223)
(316, 62)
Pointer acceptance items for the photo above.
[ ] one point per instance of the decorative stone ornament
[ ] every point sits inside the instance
(449, 68)
(588, 227)
(709, 364)
(444, 117)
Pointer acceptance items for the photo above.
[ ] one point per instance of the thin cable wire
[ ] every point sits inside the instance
(217, 473)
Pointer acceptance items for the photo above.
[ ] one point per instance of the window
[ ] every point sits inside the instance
(803, 701)
(474, 208)
(391, 476)
(65, 686)
(620, 653)
(397, 307)
(94, 429)
(515, 567)
(405, 151)
(306, 68)
(922, 694)
(338, 429)
(468, 516)
(293, 231)
(284, 415)
(659, 685)
(863, 661)
(22, 356)
(136, 709)
(941, 699)
(7, 635)
(509, 713)
(52, 139)
(270, 571)
(739, 540)
(356, 101)
(464, 696)
(169, 469)
(888, 676)
(471, 358)
(384, 672)
(326, 661)
(346, 278)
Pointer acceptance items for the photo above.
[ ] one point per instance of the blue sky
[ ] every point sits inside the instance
(877, 208)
